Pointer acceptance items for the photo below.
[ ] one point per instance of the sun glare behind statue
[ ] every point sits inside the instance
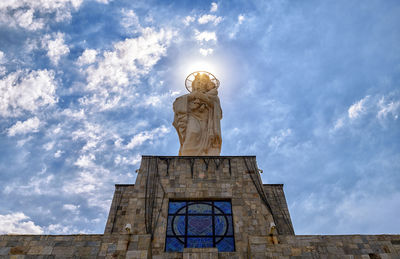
(200, 66)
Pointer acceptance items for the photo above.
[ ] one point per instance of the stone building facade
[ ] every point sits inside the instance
(199, 207)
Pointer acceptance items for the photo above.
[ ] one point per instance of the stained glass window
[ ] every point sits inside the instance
(200, 224)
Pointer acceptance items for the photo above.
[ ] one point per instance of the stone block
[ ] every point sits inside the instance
(136, 254)
(35, 250)
(47, 250)
(4, 250)
(63, 251)
(144, 242)
(18, 250)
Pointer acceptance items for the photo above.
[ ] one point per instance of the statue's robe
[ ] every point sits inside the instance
(197, 123)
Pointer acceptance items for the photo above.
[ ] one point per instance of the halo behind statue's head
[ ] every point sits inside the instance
(196, 75)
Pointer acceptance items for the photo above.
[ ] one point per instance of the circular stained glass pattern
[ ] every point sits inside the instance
(200, 224)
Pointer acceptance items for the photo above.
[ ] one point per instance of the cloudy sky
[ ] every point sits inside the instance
(310, 87)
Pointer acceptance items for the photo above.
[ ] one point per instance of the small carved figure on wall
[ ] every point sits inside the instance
(197, 116)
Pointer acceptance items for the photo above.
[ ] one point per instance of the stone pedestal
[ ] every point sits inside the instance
(144, 205)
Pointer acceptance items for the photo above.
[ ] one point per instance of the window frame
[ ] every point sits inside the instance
(213, 215)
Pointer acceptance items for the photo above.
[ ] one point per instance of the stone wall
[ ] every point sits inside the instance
(136, 246)
(74, 246)
(277, 201)
(327, 246)
(56, 245)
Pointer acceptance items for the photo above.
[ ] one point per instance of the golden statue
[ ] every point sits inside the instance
(197, 116)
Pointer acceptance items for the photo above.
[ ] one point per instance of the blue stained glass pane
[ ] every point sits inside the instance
(225, 206)
(169, 227)
(200, 225)
(200, 208)
(222, 226)
(178, 225)
(199, 242)
(226, 245)
(174, 206)
(173, 245)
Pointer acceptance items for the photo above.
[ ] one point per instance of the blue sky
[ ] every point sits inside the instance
(309, 87)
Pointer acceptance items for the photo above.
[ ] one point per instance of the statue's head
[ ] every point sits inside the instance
(202, 83)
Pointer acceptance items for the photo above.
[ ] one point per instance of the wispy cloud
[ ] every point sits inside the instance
(388, 107)
(357, 109)
(205, 35)
(188, 20)
(214, 7)
(30, 125)
(206, 52)
(209, 18)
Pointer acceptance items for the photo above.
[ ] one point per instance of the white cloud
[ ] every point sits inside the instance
(72, 208)
(370, 108)
(86, 161)
(214, 7)
(357, 109)
(49, 146)
(235, 30)
(30, 125)
(130, 21)
(18, 223)
(339, 124)
(86, 182)
(188, 20)
(152, 100)
(142, 137)
(38, 184)
(25, 19)
(74, 114)
(58, 153)
(276, 141)
(240, 19)
(22, 142)
(121, 160)
(24, 13)
(103, 1)
(91, 133)
(3, 60)
(206, 52)
(3, 70)
(112, 78)
(87, 57)
(26, 91)
(55, 46)
(2, 57)
(392, 107)
(129, 58)
(62, 229)
(205, 35)
(209, 18)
